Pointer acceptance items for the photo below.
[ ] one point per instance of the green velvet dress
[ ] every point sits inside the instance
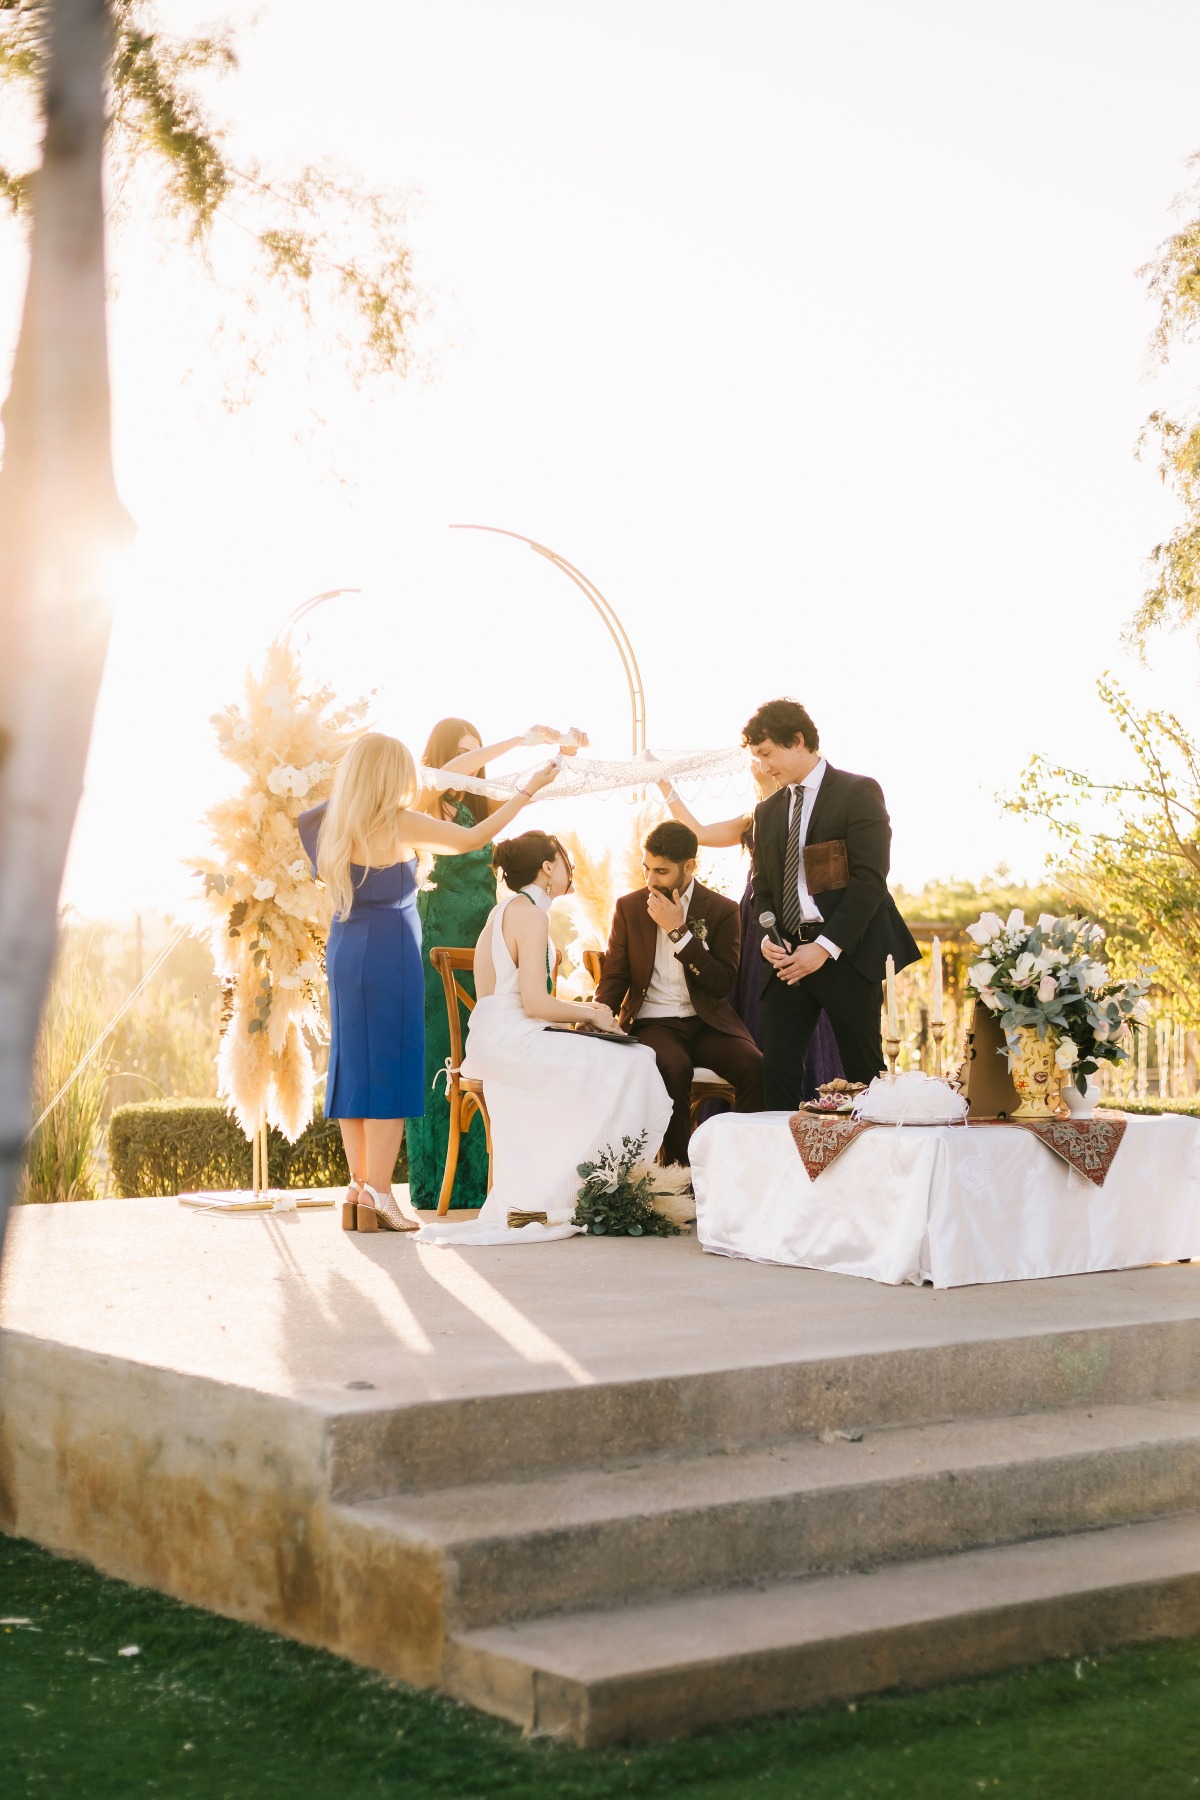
(454, 905)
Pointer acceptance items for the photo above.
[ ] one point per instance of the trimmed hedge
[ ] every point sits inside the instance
(179, 1146)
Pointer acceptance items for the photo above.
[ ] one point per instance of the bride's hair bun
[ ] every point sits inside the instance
(519, 859)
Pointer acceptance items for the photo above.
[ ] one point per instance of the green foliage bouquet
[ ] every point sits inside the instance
(1048, 976)
(615, 1199)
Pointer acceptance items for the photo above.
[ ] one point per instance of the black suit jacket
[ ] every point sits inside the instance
(862, 919)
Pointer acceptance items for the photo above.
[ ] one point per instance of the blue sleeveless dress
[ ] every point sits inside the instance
(376, 992)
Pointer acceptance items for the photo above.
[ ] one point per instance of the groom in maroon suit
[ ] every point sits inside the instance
(670, 966)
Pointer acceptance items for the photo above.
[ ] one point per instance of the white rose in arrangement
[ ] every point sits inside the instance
(264, 889)
(298, 870)
(301, 782)
(308, 971)
(982, 974)
(1016, 922)
(985, 928)
(280, 780)
(1066, 1056)
(289, 982)
(242, 733)
(991, 999)
(1046, 923)
(1023, 970)
(1047, 988)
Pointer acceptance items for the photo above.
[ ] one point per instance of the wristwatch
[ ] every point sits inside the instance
(680, 931)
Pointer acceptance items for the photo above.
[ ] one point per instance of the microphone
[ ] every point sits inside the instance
(767, 921)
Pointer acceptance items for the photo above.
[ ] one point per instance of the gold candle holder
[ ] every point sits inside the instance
(938, 1028)
(892, 1051)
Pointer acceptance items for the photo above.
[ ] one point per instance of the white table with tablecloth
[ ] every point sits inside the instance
(949, 1204)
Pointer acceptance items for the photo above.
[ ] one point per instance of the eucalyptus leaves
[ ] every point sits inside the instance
(1050, 978)
(613, 1201)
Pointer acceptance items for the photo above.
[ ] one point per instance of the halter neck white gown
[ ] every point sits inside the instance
(554, 1100)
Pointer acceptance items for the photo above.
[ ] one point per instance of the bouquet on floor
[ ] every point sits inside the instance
(1050, 977)
(616, 1198)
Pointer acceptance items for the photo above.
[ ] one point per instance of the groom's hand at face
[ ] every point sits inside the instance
(666, 909)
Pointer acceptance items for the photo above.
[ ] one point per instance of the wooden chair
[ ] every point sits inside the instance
(466, 1097)
(706, 1084)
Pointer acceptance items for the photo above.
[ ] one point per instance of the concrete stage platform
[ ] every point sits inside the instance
(583, 1484)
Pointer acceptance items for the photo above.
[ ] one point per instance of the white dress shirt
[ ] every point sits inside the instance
(667, 996)
(804, 794)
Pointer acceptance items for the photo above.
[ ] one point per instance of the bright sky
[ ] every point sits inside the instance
(811, 333)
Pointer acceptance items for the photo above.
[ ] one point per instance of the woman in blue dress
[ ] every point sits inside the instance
(362, 844)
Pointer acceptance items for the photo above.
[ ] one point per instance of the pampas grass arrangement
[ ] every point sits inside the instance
(269, 918)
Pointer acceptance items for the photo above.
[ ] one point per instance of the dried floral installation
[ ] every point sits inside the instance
(269, 918)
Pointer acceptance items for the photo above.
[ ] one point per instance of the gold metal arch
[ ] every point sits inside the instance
(616, 631)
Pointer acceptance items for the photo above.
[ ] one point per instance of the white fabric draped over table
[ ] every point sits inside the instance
(946, 1204)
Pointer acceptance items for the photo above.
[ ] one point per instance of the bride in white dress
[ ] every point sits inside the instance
(554, 1098)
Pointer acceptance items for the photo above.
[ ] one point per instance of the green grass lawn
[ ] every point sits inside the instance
(224, 1711)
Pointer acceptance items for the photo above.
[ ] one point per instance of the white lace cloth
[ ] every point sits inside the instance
(937, 1203)
(595, 775)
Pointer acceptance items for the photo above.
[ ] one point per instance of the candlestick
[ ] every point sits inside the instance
(893, 1017)
(938, 1028)
(936, 1009)
(891, 1047)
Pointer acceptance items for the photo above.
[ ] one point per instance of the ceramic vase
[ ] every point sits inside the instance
(1081, 1106)
(1035, 1074)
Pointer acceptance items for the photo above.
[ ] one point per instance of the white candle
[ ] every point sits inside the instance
(893, 1017)
(936, 1015)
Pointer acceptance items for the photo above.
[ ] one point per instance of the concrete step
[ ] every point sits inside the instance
(595, 1538)
(659, 1670)
(496, 1437)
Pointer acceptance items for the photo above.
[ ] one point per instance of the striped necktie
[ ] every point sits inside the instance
(790, 904)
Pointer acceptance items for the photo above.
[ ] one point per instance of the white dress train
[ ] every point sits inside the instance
(555, 1099)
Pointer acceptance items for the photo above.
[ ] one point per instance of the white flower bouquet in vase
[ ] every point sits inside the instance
(1060, 1010)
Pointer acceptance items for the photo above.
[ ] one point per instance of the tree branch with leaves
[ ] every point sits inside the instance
(333, 250)
(1133, 846)
(1173, 435)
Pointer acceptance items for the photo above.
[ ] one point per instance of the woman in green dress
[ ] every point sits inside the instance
(454, 903)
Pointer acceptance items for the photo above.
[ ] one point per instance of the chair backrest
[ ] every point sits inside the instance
(450, 961)
(593, 962)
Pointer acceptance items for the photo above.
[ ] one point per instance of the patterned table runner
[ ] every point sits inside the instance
(1088, 1145)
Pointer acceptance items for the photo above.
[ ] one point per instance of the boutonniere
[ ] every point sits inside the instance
(698, 929)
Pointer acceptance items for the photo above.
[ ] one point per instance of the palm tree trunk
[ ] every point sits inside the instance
(60, 527)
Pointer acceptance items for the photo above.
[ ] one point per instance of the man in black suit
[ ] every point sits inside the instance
(822, 848)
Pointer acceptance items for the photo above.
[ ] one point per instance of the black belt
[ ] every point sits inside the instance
(806, 934)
